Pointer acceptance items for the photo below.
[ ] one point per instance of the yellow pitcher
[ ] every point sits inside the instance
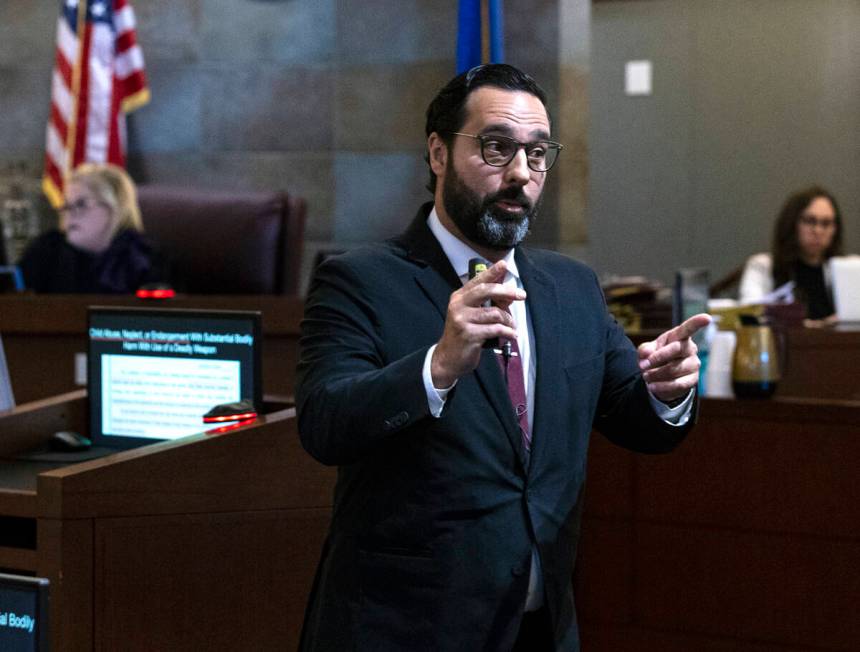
(756, 364)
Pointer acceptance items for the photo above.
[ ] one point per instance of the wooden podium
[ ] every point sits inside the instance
(205, 542)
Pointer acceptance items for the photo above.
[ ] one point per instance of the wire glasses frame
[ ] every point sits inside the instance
(80, 206)
(812, 222)
(498, 150)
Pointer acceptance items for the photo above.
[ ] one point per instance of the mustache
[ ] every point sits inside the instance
(513, 194)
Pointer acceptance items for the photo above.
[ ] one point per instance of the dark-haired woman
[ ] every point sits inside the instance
(807, 234)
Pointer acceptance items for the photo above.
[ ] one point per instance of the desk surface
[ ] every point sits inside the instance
(42, 333)
(67, 313)
(21, 475)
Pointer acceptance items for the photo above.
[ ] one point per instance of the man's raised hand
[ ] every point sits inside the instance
(669, 364)
(470, 321)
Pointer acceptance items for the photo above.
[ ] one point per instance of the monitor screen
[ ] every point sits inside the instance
(845, 280)
(11, 279)
(690, 294)
(23, 613)
(153, 373)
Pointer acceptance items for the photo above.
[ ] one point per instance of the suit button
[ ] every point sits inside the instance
(518, 570)
(396, 421)
(401, 419)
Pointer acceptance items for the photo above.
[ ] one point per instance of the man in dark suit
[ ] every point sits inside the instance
(461, 465)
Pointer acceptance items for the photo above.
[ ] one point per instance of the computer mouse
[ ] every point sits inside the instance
(69, 441)
(238, 411)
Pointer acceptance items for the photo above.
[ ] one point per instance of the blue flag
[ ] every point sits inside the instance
(479, 33)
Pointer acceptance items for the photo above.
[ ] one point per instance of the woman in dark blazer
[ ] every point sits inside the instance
(100, 247)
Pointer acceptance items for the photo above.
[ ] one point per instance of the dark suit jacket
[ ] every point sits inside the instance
(434, 519)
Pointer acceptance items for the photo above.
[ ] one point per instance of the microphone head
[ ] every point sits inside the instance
(476, 266)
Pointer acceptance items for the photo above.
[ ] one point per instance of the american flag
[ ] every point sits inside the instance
(98, 78)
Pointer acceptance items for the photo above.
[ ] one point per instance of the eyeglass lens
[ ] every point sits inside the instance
(811, 221)
(500, 150)
(77, 206)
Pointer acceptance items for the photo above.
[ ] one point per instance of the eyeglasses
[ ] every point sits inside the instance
(498, 151)
(811, 221)
(79, 206)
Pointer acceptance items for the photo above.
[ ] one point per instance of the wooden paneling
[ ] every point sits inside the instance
(140, 580)
(768, 475)
(638, 639)
(65, 557)
(750, 586)
(822, 363)
(18, 559)
(609, 490)
(206, 542)
(745, 538)
(606, 575)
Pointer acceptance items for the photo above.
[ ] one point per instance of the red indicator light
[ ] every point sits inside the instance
(230, 417)
(159, 293)
(220, 430)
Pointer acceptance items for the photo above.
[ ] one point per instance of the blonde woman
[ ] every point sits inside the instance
(100, 247)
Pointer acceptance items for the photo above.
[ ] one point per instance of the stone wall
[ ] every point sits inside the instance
(322, 98)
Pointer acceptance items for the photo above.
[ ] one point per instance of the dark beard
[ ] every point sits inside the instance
(481, 222)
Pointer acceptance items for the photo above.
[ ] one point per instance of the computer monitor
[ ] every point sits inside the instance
(11, 279)
(24, 605)
(7, 397)
(690, 295)
(845, 279)
(153, 373)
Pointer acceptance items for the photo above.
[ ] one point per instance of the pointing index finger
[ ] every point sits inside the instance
(689, 328)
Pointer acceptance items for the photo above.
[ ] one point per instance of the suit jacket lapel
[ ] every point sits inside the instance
(434, 275)
(437, 279)
(542, 299)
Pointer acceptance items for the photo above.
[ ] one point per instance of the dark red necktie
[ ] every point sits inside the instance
(511, 364)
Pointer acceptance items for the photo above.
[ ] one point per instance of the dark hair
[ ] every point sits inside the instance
(786, 248)
(447, 111)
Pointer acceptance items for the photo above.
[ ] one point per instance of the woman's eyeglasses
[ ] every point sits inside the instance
(79, 206)
(810, 221)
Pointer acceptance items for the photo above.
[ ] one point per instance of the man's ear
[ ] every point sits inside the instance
(437, 152)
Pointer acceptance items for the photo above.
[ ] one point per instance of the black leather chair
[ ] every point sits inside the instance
(221, 242)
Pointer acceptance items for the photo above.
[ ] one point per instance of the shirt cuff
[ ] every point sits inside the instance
(674, 416)
(435, 397)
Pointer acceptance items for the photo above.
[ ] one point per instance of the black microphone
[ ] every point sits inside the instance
(476, 266)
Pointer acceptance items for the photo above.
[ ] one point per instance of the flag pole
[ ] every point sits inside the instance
(77, 73)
